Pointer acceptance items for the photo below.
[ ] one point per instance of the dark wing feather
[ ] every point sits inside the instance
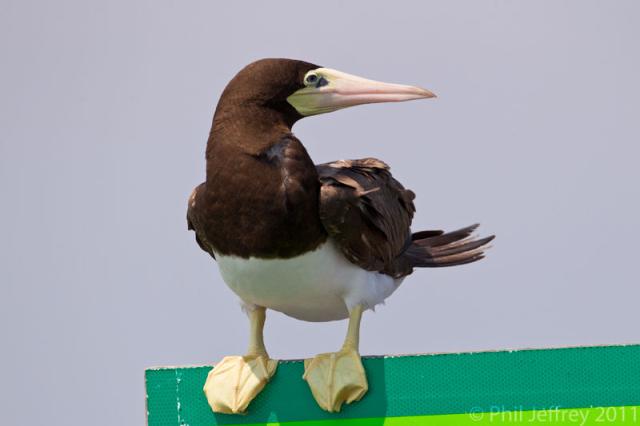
(368, 213)
(193, 222)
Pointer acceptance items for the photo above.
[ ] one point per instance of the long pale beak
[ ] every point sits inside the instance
(334, 90)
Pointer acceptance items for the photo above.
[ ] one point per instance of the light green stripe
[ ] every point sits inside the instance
(595, 416)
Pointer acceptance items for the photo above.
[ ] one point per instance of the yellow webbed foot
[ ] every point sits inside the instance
(236, 381)
(336, 378)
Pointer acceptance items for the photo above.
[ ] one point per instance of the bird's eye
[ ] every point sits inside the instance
(311, 79)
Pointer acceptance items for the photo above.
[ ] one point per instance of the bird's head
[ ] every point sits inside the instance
(300, 89)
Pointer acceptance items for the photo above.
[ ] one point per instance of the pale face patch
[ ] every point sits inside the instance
(328, 90)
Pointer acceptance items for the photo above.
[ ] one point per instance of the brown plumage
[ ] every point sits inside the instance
(262, 204)
(368, 213)
(263, 196)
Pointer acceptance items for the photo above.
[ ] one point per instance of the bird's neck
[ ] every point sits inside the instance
(246, 129)
(262, 189)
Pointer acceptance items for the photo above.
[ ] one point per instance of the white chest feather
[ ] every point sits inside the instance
(321, 285)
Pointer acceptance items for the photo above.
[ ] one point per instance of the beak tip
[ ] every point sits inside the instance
(426, 94)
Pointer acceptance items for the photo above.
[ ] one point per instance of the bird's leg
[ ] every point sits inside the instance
(237, 380)
(339, 377)
(257, 318)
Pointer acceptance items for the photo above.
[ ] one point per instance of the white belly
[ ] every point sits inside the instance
(317, 286)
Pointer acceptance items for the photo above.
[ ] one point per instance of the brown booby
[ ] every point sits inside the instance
(315, 242)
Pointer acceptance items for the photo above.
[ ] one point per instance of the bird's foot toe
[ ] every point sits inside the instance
(236, 380)
(336, 378)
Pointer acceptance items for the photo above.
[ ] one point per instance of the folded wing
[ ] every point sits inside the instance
(368, 214)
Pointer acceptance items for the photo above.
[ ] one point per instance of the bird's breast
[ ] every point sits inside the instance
(264, 205)
(320, 285)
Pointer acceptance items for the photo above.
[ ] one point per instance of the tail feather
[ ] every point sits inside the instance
(454, 248)
(437, 249)
(445, 238)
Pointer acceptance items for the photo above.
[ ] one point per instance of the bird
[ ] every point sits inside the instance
(316, 242)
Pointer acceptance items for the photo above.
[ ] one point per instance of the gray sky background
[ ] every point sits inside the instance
(105, 108)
